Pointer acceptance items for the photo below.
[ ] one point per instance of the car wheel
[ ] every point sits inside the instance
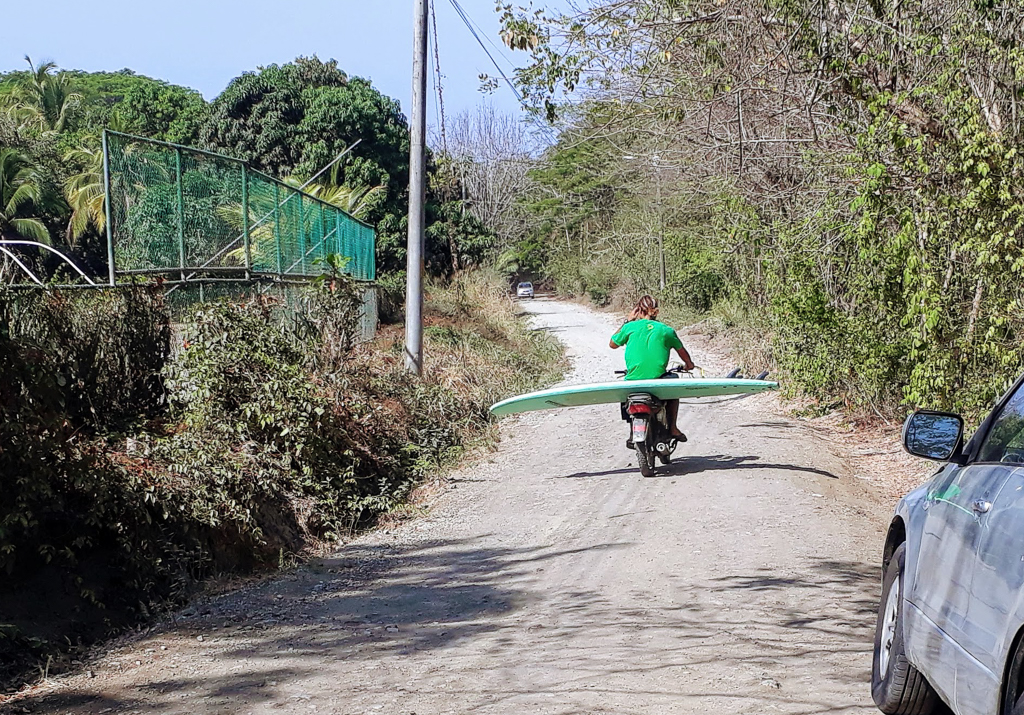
(1013, 698)
(897, 687)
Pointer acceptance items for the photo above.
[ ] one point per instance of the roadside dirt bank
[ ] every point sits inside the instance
(551, 577)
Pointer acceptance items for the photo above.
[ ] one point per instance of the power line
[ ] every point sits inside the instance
(469, 25)
(491, 42)
(440, 83)
(433, 82)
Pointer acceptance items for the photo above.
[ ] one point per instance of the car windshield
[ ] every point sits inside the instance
(526, 285)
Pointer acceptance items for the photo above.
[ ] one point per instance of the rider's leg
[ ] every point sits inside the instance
(672, 412)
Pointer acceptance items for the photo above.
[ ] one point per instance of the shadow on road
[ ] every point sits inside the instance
(699, 465)
(299, 641)
(365, 603)
(556, 328)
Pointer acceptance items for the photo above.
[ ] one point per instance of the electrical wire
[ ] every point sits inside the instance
(470, 26)
(491, 42)
(440, 82)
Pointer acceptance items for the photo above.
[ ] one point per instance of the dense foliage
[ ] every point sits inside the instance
(134, 463)
(288, 120)
(843, 176)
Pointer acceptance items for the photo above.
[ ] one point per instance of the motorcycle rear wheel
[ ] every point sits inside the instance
(645, 459)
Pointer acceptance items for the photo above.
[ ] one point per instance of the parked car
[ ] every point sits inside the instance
(524, 290)
(951, 617)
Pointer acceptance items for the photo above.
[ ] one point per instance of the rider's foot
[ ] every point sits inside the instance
(678, 436)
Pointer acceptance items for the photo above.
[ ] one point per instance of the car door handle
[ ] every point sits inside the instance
(980, 506)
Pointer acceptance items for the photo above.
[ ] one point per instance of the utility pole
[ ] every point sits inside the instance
(417, 195)
(661, 224)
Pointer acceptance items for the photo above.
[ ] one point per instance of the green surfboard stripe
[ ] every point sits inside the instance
(601, 393)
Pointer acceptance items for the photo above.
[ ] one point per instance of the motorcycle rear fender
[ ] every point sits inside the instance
(639, 428)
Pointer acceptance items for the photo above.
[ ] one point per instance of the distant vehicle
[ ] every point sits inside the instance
(525, 290)
(951, 619)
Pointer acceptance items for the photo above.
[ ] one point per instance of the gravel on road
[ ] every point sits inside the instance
(551, 578)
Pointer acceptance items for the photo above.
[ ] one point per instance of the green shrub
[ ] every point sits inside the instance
(130, 474)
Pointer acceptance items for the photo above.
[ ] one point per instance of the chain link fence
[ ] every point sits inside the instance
(184, 213)
(287, 299)
(212, 227)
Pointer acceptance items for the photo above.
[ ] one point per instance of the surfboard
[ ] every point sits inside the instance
(600, 393)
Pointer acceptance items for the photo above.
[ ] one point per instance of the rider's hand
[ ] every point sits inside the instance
(689, 366)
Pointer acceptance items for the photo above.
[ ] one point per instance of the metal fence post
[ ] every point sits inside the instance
(110, 227)
(302, 236)
(323, 233)
(277, 225)
(245, 220)
(181, 212)
(339, 238)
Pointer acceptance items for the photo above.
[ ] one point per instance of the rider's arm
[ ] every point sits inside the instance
(620, 338)
(685, 357)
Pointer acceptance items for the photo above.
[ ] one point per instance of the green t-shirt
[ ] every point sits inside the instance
(648, 343)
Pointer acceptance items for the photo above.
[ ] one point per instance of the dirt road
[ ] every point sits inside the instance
(553, 578)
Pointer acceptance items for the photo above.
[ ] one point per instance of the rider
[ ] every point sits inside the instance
(648, 346)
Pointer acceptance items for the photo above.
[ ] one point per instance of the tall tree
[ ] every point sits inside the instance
(489, 163)
(296, 118)
(85, 191)
(46, 97)
(164, 112)
(257, 117)
(21, 192)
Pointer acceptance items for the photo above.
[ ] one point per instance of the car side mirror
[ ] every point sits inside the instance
(934, 435)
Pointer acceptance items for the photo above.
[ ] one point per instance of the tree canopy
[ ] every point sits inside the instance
(844, 174)
(285, 120)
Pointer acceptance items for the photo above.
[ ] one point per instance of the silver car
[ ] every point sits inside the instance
(951, 615)
(524, 290)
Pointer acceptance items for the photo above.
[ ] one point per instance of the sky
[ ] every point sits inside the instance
(203, 44)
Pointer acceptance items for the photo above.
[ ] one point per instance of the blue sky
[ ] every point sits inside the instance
(203, 44)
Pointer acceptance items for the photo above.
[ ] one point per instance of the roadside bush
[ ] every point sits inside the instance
(74, 365)
(391, 297)
(128, 477)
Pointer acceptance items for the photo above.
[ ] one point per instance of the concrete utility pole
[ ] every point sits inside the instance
(417, 195)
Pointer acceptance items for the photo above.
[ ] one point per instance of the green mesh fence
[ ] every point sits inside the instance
(188, 213)
(286, 300)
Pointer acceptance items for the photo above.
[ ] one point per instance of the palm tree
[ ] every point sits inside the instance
(354, 200)
(85, 192)
(21, 188)
(45, 98)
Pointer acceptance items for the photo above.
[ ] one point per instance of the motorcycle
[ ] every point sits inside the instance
(650, 435)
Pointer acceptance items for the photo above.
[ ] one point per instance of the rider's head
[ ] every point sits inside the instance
(646, 307)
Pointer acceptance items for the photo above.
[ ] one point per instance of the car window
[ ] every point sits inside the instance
(1005, 440)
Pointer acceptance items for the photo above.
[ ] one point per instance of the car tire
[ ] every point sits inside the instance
(897, 687)
(1013, 698)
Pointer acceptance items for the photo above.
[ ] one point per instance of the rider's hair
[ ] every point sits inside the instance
(646, 307)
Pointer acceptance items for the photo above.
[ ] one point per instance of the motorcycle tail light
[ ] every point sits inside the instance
(639, 408)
